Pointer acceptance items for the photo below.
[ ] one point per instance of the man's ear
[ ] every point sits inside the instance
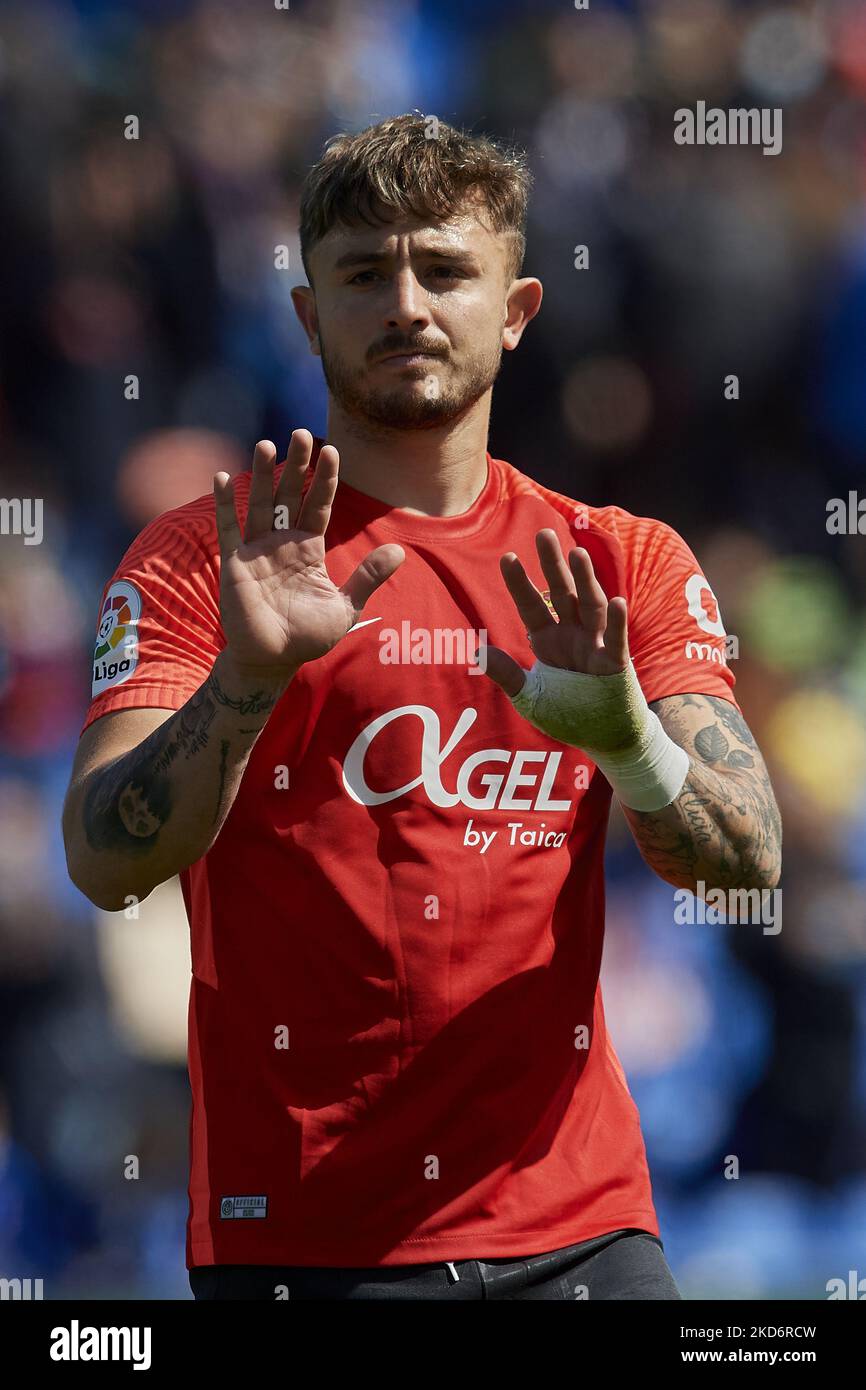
(524, 302)
(304, 300)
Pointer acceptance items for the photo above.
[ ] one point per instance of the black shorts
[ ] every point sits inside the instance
(626, 1264)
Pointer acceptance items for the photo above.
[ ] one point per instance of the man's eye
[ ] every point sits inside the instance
(439, 272)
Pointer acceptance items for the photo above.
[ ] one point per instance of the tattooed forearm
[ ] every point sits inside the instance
(260, 702)
(129, 802)
(724, 827)
(151, 790)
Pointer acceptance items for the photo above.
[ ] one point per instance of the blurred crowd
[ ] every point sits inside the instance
(153, 259)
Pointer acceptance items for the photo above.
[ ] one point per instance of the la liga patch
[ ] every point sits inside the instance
(115, 655)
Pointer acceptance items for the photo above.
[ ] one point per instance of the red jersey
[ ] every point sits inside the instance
(397, 1043)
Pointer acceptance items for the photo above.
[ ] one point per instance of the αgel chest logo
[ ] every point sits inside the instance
(524, 780)
(115, 654)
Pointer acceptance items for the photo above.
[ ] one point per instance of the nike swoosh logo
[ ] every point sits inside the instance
(365, 623)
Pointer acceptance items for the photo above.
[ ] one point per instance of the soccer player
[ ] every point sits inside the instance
(375, 723)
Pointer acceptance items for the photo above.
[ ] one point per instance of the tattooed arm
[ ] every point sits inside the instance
(724, 827)
(140, 809)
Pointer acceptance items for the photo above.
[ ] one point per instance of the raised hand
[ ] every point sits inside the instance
(278, 604)
(592, 632)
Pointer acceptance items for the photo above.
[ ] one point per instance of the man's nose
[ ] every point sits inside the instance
(407, 307)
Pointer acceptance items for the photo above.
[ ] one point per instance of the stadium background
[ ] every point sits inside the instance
(156, 257)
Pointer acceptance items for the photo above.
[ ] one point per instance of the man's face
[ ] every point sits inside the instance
(439, 290)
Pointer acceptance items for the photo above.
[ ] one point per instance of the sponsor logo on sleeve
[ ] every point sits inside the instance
(696, 588)
(703, 606)
(115, 655)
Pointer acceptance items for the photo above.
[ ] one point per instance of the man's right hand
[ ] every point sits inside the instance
(150, 789)
(279, 607)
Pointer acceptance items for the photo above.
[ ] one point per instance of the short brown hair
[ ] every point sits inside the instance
(397, 169)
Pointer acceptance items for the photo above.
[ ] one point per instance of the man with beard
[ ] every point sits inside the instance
(384, 777)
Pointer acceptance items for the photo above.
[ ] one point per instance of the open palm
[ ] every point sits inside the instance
(591, 634)
(278, 604)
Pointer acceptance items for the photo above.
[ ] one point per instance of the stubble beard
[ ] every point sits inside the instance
(403, 406)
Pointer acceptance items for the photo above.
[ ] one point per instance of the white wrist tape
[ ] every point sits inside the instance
(587, 711)
(649, 777)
